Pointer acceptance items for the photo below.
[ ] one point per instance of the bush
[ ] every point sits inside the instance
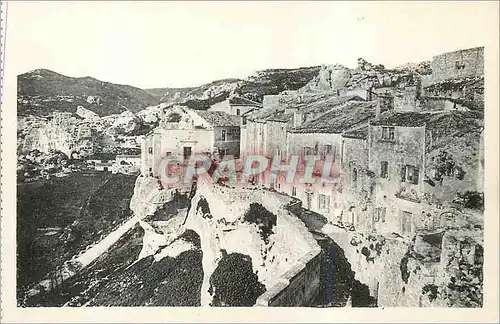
(264, 219)
(234, 283)
(470, 199)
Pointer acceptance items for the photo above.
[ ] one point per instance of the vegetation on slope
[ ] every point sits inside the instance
(57, 218)
(41, 92)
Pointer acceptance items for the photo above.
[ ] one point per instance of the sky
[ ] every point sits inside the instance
(177, 44)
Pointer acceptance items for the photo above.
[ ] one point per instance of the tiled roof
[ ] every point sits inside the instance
(281, 117)
(219, 118)
(124, 156)
(239, 101)
(456, 122)
(314, 105)
(360, 132)
(339, 119)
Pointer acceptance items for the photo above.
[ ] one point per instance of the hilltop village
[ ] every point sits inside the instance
(401, 226)
(406, 144)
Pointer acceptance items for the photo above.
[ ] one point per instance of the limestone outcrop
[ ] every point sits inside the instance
(438, 269)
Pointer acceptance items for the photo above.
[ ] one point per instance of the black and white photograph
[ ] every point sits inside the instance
(249, 154)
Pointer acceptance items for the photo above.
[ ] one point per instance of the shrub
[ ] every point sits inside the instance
(264, 219)
(234, 283)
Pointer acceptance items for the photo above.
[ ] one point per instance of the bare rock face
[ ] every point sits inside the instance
(85, 113)
(61, 131)
(331, 77)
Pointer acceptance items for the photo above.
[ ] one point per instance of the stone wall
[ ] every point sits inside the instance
(406, 99)
(440, 104)
(276, 134)
(254, 138)
(355, 197)
(296, 287)
(458, 64)
(299, 284)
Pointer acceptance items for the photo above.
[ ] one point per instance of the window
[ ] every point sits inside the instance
(327, 151)
(308, 151)
(409, 173)
(323, 202)
(244, 120)
(459, 65)
(150, 150)
(384, 169)
(169, 153)
(231, 134)
(379, 215)
(354, 177)
(278, 153)
(388, 133)
(294, 191)
(237, 112)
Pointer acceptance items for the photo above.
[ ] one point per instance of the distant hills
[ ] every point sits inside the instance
(40, 92)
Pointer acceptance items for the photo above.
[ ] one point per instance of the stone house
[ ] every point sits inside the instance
(415, 174)
(235, 105)
(352, 201)
(322, 137)
(184, 132)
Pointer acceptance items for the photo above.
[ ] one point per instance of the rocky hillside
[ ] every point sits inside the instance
(254, 87)
(41, 92)
(365, 75)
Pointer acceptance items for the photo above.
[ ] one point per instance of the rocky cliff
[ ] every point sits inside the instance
(228, 228)
(364, 76)
(438, 269)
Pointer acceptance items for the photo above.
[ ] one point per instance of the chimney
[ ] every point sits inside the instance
(297, 118)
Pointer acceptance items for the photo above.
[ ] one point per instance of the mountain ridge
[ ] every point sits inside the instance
(43, 91)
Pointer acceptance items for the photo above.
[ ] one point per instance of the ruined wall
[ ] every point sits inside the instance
(391, 193)
(360, 92)
(458, 64)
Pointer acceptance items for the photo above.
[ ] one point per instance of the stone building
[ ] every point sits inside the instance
(418, 162)
(322, 137)
(236, 106)
(465, 63)
(352, 201)
(184, 132)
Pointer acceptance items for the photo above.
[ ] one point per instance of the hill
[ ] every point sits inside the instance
(40, 92)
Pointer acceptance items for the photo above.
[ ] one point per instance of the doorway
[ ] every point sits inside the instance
(187, 151)
(406, 218)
